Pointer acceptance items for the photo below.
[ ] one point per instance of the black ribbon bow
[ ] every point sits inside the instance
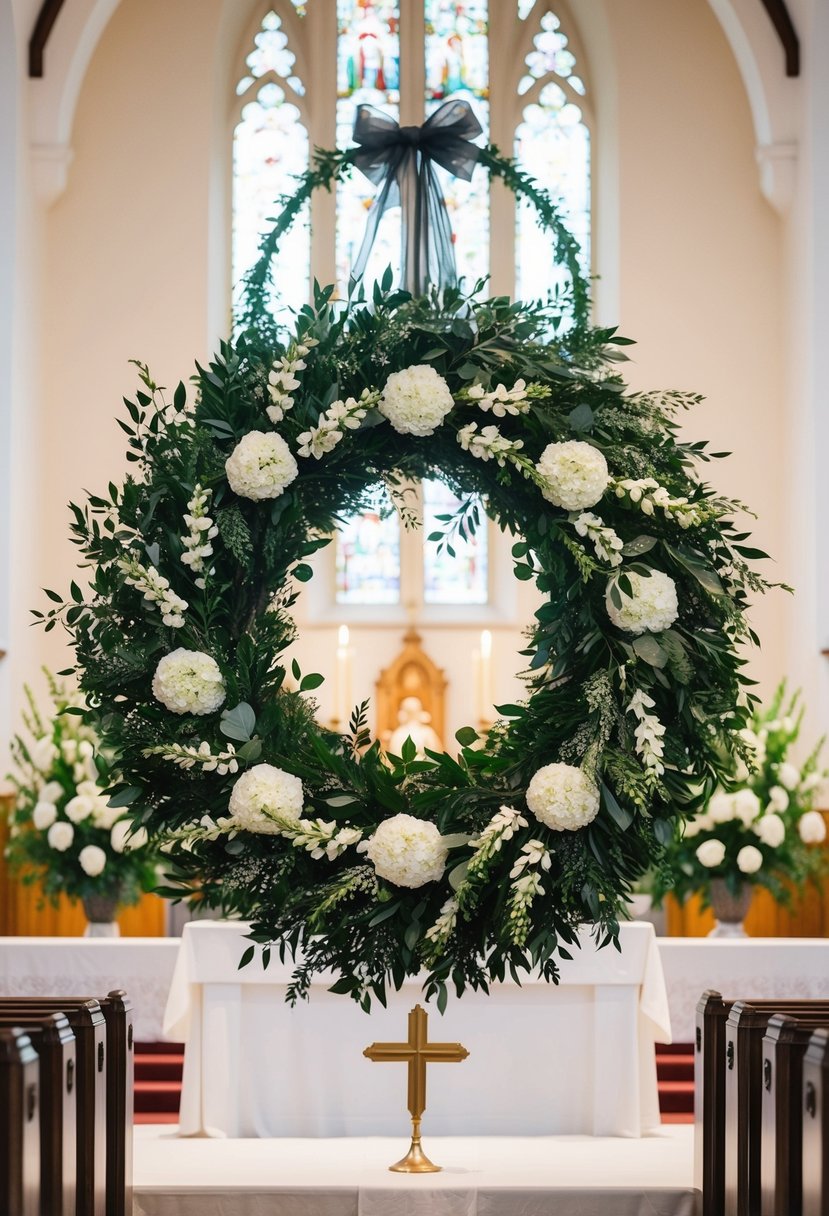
(403, 160)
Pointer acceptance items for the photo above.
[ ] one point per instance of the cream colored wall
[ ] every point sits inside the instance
(133, 257)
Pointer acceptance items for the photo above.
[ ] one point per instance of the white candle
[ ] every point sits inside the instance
(342, 682)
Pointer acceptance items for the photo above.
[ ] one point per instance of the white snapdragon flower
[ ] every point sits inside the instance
(649, 733)
(189, 682)
(79, 808)
(652, 606)
(44, 815)
(331, 426)
(261, 793)
(749, 859)
(788, 776)
(69, 750)
(261, 466)
(771, 829)
(92, 860)
(606, 544)
(488, 444)
(407, 852)
(283, 380)
(201, 531)
(43, 753)
(575, 474)
(416, 400)
(812, 828)
(563, 797)
(649, 495)
(711, 853)
(155, 589)
(501, 400)
(60, 836)
(52, 791)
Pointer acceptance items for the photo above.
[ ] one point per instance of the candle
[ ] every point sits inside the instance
(485, 697)
(342, 681)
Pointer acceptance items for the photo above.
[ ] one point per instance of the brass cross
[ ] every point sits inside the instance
(416, 1053)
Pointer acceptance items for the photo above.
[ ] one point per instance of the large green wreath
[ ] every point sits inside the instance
(380, 866)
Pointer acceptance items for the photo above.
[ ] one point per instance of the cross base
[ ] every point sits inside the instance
(415, 1161)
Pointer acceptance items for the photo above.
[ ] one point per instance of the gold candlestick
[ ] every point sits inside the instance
(416, 1053)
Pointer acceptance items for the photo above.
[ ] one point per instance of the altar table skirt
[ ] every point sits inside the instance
(577, 1058)
(539, 1176)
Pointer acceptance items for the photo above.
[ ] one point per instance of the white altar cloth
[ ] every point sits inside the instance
(577, 1058)
(83, 966)
(568, 1176)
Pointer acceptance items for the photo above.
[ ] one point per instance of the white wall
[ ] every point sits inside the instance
(693, 258)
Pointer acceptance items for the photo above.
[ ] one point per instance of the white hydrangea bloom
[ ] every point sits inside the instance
(652, 607)
(746, 806)
(575, 473)
(261, 793)
(189, 682)
(711, 853)
(44, 815)
(43, 753)
(52, 791)
(788, 775)
(92, 860)
(749, 859)
(261, 466)
(416, 400)
(771, 829)
(563, 797)
(79, 808)
(699, 823)
(606, 544)
(721, 807)
(406, 851)
(60, 836)
(812, 828)
(104, 816)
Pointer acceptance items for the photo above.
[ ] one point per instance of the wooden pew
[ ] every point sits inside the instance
(114, 1103)
(781, 1145)
(54, 1041)
(816, 1125)
(710, 1067)
(19, 1125)
(87, 1020)
(745, 1029)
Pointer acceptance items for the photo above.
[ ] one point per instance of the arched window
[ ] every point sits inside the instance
(306, 68)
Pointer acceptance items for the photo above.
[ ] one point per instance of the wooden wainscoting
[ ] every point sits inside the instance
(806, 916)
(20, 915)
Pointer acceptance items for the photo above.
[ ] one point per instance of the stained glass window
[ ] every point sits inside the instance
(368, 558)
(270, 148)
(461, 578)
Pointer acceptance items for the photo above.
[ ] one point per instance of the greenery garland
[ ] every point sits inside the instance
(379, 866)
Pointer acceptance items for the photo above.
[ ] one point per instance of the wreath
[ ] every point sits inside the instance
(466, 867)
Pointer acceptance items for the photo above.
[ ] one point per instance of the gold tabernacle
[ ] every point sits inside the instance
(416, 1053)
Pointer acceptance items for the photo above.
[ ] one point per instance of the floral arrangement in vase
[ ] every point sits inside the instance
(758, 831)
(63, 832)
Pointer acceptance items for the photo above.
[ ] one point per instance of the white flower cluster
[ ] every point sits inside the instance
(189, 682)
(92, 860)
(416, 400)
(282, 379)
(533, 853)
(649, 734)
(156, 590)
(606, 544)
(711, 853)
(201, 530)
(263, 794)
(575, 474)
(187, 756)
(771, 829)
(125, 838)
(522, 894)
(756, 743)
(443, 928)
(501, 400)
(812, 828)
(341, 416)
(563, 797)
(406, 851)
(502, 827)
(320, 837)
(650, 495)
(261, 466)
(652, 606)
(490, 444)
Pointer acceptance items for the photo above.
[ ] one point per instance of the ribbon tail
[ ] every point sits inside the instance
(381, 204)
(439, 247)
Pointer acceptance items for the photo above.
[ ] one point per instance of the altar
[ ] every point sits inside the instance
(576, 1058)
